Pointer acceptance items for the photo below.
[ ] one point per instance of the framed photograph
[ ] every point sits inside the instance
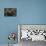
(10, 11)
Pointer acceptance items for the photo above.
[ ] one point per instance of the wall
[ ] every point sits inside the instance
(28, 12)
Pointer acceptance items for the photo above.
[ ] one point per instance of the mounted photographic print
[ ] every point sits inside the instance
(10, 11)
